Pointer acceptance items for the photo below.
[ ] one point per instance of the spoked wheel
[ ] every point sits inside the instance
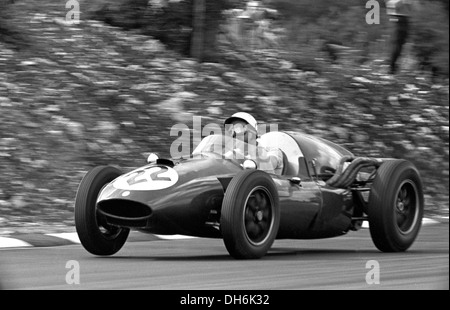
(250, 215)
(96, 235)
(396, 206)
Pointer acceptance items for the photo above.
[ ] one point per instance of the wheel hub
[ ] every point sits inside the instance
(401, 206)
(259, 216)
(406, 207)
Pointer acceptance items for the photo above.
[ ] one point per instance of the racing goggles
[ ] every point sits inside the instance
(236, 129)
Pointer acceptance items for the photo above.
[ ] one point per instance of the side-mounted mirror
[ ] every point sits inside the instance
(249, 164)
(152, 158)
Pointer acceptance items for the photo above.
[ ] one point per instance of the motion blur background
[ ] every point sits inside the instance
(107, 91)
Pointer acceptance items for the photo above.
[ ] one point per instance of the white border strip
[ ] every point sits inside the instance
(425, 221)
(7, 242)
(174, 237)
(12, 243)
(72, 237)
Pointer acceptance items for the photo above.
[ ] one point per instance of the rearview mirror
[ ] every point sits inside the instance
(249, 164)
(152, 158)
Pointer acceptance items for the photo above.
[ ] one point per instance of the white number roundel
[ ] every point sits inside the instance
(147, 179)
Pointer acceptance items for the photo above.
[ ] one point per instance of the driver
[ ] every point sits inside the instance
(242, 127)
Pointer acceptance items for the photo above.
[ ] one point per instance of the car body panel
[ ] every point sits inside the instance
(185, 197)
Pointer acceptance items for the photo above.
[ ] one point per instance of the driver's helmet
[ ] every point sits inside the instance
(247, 118)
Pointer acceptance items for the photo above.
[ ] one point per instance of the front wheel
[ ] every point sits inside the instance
(250, 215)
(96, 235)
(396, 206)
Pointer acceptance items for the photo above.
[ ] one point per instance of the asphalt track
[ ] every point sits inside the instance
(204, 264)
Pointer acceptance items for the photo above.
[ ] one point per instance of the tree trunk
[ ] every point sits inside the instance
(198, 32)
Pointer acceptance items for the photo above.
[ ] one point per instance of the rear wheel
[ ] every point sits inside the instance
(250, 215)
(96, 235)
(396, 206)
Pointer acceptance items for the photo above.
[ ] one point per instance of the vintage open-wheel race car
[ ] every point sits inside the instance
(323, 191)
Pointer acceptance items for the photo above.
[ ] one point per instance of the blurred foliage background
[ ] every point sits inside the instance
(109, 89)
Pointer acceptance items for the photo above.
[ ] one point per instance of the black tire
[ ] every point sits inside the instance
(250, 215)
(396, 205)
(96, 236)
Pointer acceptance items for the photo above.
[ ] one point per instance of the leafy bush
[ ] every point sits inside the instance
(430, 28)
(3, 15)
(8, 32)
(171, 22)
(317, 27)
(121, 13)
(336, 30)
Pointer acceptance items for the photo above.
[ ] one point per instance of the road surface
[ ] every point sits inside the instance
(347, 262)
